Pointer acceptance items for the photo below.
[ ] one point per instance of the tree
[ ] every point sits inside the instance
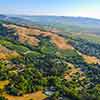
(3, 98)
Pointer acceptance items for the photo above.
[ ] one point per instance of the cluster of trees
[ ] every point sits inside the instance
(73, 57)
(24, 81)
(47, 69)
(3, 70)
(8, 32)
(41, 70)
(43, 67)
(86, 47)
(3, 98)
(93, 73)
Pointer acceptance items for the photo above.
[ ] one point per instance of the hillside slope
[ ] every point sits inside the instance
(33, 60)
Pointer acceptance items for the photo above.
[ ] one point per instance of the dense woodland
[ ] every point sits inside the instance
(87, 47)
(42, 68)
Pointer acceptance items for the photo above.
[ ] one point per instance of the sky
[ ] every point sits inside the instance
(84, 8)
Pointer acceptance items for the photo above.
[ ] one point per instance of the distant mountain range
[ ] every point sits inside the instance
(62, 23)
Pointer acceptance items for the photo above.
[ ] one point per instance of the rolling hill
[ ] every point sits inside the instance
(38, 62)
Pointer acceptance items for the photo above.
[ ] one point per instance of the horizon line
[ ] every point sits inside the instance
(51, 15)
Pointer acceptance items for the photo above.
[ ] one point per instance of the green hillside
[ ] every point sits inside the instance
(43, 67)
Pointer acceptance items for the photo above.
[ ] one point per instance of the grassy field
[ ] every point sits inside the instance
(89, 37)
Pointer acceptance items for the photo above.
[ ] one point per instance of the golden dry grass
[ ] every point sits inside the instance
(28, 35)
(7, 54)
(72, 72)
(60, 42)
(3, 83)
(32, 96)
(91, 59)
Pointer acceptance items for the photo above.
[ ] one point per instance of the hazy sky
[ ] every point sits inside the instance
(85, 8)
